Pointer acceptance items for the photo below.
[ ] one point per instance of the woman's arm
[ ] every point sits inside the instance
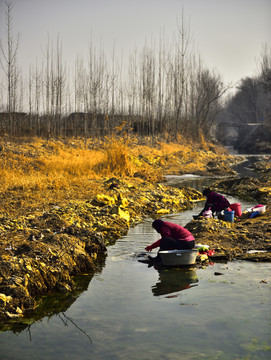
(153, 246)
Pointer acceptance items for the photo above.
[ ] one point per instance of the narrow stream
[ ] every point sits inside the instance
(130, 311)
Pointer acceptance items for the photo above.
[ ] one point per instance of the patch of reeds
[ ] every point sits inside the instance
(116, 160)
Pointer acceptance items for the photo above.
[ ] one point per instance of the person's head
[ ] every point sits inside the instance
(206, 192)
(157, 224)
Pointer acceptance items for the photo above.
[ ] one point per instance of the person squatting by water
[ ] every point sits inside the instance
(216, 202)
(173, 237)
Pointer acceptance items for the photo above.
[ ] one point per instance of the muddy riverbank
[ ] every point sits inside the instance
(247, 238)
(41, 251)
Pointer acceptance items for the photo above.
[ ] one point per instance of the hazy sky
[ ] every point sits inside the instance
(228, 34)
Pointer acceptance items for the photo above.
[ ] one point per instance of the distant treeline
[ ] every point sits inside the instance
(163, 88)
(77, 125)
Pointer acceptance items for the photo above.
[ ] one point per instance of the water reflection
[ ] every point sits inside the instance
(66, 320)
(173, 281)
(54, 304)
(49, 305)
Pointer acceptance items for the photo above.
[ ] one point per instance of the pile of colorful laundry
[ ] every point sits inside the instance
(204, 251)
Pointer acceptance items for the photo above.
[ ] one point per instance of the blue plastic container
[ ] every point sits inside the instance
(229, 216)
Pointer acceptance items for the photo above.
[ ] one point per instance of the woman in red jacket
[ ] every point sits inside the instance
(216, 202)
(173, 236)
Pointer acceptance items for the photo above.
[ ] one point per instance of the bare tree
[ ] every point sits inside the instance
(148, 90)
(113, 82)
(59, 85)
(47, 88)
(80, 89)
(161, 82)
(181, 71)
(8, 62)
(95, 87)
(209, 90)
(133, 84)
(38, 93)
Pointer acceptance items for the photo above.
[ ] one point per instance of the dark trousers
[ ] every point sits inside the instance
(172, 244)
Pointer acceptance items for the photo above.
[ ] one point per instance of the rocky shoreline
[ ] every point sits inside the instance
(41, 253)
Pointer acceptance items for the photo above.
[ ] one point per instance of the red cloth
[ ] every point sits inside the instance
(173, 231)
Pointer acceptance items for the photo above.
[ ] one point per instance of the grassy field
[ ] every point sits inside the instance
(36, 172)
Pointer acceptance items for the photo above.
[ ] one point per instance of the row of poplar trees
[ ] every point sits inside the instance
(163, 88)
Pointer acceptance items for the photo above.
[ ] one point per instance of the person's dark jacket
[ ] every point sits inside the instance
(216, 202)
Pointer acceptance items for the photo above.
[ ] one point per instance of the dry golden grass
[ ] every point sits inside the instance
(38, 172)
(116, 159)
